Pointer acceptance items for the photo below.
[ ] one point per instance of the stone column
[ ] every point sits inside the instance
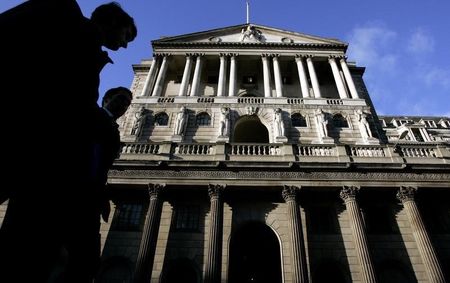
(299, 270)
(146, 255)
(197, 75)
(426, 249)
(266, 72)
(161, 77)
(337, 78)
(150, 76)
(348, 194)
(232, 85)
(277, 76)
(302, 76)
(313, 76)
(214, 256)
(349, 79)
(222, 75)
(186, 76)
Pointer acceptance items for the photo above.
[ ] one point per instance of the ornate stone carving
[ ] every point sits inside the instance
(154, 190)
(405, 194)
(251, 110)
(289, 193)
(348, 193)
(215, 190)
(251, 34)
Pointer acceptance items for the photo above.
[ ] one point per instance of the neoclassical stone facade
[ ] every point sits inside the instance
(254, 154)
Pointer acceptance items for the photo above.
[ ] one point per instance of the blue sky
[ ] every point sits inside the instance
(405, 45)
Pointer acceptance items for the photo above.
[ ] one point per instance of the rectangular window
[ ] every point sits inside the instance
(322, 220)
(429, 123)
(249, 80)
(187, 218)
(127, 217)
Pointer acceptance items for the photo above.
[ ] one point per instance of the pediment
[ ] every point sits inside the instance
(249, 33)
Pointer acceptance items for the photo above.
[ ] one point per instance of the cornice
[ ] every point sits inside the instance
(250, 45)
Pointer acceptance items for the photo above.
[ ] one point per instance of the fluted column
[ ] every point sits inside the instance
(232, 85)
(146, 255)
(186, 76)
(197, 75)
(266, 73)
(337, 78)
(313, 76)
(161, 77)
(426, 249)
(299, 270)
(222, 75)
(349, 79)
(214, 256)
(277, 77)
(348, 194)
(148, 84)
(302, 76)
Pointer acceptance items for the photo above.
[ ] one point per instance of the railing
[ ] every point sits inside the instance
(278, 152)
(254, 100)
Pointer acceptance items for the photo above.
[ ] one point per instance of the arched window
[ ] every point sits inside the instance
(298, 120)
(339, 121)
(203, 119)
(161, 119)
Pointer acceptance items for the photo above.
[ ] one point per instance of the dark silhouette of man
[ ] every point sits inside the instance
(51, 58)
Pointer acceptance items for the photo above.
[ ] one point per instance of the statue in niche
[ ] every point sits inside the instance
(140, 119)
(224, 122)
(322, 123)
(250, 33)
(278, 123)
(181, 121)
(364, 126)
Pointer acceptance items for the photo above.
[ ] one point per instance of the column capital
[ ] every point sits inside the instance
(289, 193)
(215, 190)
(233, 54)
(275, 55)
(336, 56)
(190, 54)
(406, 194)
(348, 193)
(265, 56)
(154, 190)
(162, 54)
(308, 56)
(223, 55)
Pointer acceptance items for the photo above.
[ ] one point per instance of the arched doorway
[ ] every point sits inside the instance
(250, 129)
(255, 255)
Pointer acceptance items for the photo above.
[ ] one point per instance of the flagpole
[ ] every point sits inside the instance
(248, 13)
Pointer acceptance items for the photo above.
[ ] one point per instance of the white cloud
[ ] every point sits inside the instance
(370, 44)
(420, 42)
(437, 76)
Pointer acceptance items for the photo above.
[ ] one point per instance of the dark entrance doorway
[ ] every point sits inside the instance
(255, 255)
(249, 129)
(180, 270)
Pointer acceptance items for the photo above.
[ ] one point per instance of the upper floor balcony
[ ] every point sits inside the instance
(435, 156)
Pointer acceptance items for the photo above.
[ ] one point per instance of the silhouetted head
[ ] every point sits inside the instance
(116, 26)
(117, 100)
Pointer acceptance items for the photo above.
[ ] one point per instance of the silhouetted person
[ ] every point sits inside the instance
(82, 241)
(51, 58)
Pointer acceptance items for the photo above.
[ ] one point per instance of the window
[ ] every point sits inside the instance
(417, 135)
(429, 123)
(212, 80)
(250, 80)
(187, 218)
(339, 121)
(298, 120)
(203, 119)
(445, 123)
(383, 123)
(379, 219)
(128, 217)
(161, 119)
(322, 220)
(178, 79)
(287, 80)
